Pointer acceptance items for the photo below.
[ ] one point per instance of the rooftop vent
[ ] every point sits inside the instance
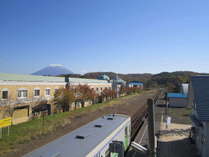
(98, 126)
(109, 118)
(80, 137)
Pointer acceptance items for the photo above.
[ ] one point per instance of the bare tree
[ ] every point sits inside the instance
(85, 93)
(7, 107)
(63, 99)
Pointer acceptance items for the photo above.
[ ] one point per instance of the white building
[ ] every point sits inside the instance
(185, 88)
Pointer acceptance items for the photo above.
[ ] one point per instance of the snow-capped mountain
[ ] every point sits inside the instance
(53, 70)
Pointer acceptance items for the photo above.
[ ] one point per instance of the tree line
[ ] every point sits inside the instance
(67, 98)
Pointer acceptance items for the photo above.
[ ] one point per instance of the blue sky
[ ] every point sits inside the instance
(125, 36)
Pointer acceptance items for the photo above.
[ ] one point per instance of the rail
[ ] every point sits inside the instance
(137, 120)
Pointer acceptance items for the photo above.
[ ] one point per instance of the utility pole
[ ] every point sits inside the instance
(117, 86)
(1, 133)
(151, 128)
(166, 109)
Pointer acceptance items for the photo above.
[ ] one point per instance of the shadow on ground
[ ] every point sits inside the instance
(178, 132)
(134, 153)
(179, 148)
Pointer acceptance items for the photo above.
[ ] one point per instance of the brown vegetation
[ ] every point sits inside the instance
(63, 99)
(171, 81)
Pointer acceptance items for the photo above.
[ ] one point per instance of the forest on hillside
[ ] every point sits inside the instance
(168, 80)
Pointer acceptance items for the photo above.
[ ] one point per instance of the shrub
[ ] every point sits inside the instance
(63, 99)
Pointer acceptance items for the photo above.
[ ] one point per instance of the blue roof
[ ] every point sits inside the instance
(136, 83)
(176, 95)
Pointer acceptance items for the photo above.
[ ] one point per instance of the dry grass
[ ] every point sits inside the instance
(180, 115)
(37, 128)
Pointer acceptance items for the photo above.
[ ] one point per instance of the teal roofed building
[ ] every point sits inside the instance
(104, 77)
(117, 84)
(118, 80)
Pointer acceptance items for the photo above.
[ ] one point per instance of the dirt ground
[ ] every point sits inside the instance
(128, 106)
(174, 140)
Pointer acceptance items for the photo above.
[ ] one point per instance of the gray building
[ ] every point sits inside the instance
(199, 100)
(177, 100)
(117, 84)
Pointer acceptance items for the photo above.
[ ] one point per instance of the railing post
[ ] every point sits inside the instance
(151, 128)
(1, 133)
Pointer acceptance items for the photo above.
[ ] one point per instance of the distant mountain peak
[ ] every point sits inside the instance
(53, 70)
(56, 65)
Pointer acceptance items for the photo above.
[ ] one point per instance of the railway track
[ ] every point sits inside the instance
(138, 119)
(138, 125)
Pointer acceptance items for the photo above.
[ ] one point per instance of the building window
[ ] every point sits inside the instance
(22, 93)
(47, 92)
(37, 92)
(5, 94)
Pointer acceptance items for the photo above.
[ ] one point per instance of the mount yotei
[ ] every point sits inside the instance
(53, 70)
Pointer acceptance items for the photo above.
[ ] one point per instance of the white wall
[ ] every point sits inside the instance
(185, 88)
